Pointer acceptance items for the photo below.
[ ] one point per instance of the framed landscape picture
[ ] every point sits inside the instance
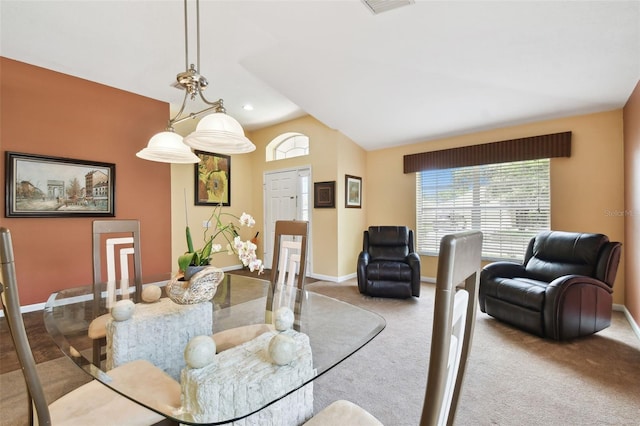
(43, 186)
(353, 191)
(212, 179)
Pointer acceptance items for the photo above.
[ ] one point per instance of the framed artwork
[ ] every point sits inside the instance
(43, 186)
(212, 179)
(353, 191)
(324, 194)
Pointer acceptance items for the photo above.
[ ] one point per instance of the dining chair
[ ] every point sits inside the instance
(91, 401)
(453, 324)
(107, 236)
(287, 282)
(289, 254)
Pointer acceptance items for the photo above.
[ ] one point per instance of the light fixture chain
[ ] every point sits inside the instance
(198, 33)
(186, 38)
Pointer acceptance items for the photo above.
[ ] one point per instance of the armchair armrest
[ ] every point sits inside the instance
(413, 259)
(504, 269)
(575, 305)
(363, 261)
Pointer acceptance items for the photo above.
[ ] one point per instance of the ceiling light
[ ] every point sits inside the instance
(216, 132)
(167, 147)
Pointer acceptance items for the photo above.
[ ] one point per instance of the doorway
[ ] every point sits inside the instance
(286, 197)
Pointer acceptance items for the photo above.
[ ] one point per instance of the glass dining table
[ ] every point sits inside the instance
(245, 382)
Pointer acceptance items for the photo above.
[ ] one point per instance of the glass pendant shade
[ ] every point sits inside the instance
(167, 147)
(221, 134)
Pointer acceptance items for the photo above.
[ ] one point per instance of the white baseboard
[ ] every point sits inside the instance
(27, 308)
(627, 315)
(329, 278)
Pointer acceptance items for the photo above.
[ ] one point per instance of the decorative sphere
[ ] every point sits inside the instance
(282, 349)
(151, 293)
(123, 310)
(200, 352)
(283, 319)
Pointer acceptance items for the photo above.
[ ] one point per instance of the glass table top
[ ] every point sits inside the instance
(335, 330)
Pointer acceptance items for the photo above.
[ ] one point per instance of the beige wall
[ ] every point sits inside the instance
(586, 189)
(331, 155)
(336, 233)
(351, 221)
(632, 202)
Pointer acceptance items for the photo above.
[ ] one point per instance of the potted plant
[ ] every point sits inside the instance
(193, 260)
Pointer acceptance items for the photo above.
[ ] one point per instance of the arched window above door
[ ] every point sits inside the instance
(287, 145)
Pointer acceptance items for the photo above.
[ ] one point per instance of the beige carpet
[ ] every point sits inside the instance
(513, 378)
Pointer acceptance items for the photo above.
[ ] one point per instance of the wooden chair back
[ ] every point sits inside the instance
(126, 235)
(459, 264)
(290, 253)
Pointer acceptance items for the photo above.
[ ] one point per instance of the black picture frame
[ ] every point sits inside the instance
(45, 186)
(324, 194)
(352, 191)
(212, 179)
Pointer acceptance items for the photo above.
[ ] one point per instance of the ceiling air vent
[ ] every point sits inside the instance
(379, 6)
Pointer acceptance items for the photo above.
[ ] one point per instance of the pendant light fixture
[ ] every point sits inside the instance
(216, 132)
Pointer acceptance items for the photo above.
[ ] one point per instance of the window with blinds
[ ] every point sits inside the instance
(508, 202)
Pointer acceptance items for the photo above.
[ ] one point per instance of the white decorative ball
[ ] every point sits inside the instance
(282, 349)
(283, 319)
(151, 293)
(200, 352)
(123, 310)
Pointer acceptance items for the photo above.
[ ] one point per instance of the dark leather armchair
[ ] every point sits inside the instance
(388, 265)
(562, 290)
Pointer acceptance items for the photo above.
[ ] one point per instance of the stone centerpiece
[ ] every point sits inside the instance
(157, 332)
(244, 378)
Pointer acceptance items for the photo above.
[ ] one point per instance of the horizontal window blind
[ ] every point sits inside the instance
(508, 202)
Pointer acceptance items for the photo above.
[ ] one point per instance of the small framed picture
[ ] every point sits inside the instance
(212, 177)
(43, 186)
(324, 194)
(353, 191)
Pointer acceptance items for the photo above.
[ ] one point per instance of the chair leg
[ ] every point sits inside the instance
(98, 344)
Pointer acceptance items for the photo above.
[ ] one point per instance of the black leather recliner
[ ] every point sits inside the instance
(562, 290)
(388, 265)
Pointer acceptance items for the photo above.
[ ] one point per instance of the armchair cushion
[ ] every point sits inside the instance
(561, 290)
(552, 254)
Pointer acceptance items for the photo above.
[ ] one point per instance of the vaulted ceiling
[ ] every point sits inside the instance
(419, 72)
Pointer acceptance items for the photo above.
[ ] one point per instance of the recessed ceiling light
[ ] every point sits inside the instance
(247, 107)
(379, 6)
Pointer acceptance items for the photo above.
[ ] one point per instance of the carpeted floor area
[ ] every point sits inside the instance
(513, 378)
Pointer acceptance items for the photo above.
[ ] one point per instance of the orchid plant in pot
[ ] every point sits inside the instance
(223, 228)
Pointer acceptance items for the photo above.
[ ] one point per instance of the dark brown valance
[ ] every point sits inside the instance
(531, 148)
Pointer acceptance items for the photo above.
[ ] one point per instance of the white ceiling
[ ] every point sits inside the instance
(416, 73)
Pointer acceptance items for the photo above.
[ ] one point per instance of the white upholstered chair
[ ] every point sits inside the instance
(453, 324)
(90, 402)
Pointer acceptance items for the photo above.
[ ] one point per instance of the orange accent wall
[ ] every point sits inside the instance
(49, 113)
(631, 117)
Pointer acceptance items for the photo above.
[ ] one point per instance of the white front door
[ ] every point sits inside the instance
(286, 197)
